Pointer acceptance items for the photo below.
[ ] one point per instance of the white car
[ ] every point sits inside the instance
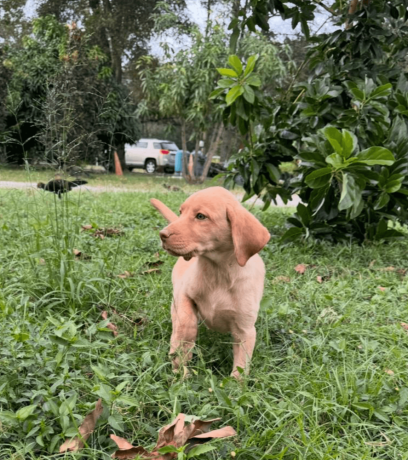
(151, 155)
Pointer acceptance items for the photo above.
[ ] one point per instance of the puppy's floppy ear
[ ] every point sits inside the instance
(167, 213)
(248, 234)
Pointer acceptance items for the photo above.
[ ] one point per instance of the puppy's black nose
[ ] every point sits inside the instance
(164, 234)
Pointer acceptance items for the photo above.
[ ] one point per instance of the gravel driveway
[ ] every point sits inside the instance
(103, 188)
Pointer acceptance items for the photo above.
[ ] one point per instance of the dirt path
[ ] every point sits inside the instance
(103, 188)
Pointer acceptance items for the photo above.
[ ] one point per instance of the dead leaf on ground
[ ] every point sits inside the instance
(110, 326)
(80, 255)
(157, 255)
(175, 434)
(41, 262)
(155, 264)
(372, 263)
(379, 443)
(86, 227)
(404, 326)
(151, 270)
(381, 288)
(85, 430)
(389, 372)
(301, 268)
(321, 279)
(281, 279)
(125, 275)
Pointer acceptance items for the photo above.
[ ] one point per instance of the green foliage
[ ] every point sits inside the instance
(345, 127)
(62, 100)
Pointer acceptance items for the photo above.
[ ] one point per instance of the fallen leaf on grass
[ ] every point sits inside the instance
(389, 372)
(152, 270)
(321, 279)
(283, 279)
(176, 434)
(125, 275)
(301, 268)
(381, 288)
(80, 255)
(379, 443)
(85, 430)
(86, 227)
(155, 264)
(372, 263)
(110, 326)
(41, 262)
(157, 255)
(404, 326)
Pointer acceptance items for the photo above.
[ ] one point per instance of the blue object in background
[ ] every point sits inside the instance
(178, 161)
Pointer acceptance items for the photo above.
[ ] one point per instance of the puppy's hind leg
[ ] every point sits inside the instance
(185, 326)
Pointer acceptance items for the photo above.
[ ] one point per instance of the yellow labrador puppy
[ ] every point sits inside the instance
(219, 276)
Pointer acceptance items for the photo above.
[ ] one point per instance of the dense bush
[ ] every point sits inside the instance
(357, 83)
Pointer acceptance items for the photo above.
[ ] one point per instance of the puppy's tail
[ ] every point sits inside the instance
(167, 213)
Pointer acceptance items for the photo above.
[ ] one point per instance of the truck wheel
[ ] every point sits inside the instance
(150, 166)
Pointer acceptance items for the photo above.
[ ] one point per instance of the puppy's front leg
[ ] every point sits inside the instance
(185, 325)
(243, 347)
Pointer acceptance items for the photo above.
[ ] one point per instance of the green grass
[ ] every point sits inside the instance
(318, 387)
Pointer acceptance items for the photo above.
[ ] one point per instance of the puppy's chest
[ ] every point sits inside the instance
(216, 308)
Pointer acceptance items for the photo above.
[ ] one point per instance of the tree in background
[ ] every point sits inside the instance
(63, 102)
(357, 83)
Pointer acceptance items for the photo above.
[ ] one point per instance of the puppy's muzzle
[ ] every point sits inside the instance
(164, 235)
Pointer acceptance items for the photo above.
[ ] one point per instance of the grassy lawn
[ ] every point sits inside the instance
(329, 373)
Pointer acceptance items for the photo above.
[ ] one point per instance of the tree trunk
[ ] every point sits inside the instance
(352, 10)
(213, 148)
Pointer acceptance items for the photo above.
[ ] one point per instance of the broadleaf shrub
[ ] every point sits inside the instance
(346, 128)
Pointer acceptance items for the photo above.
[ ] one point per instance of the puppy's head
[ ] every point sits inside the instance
(212, 221)
(40, 185)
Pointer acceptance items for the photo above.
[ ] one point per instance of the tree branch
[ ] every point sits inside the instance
(320, 3)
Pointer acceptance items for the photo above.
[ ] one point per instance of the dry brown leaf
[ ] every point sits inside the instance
(110, 326)
(151, 270)
(283, 279)
(372, 263)
(404, 326)
(175, 434)
(41, 262)
(381, 288)
(388, 269)
(125, 275)
(126, 450)
(379, 443)
(86, 227)
(80, 255)
(157, 255)
(85, 430)
(389, 372)
(301, 268)
(319, 279)
(155, 264)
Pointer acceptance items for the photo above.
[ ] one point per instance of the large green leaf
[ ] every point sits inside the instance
(250, 65)
(228, 73)
(376, 156)
(349, 143)
(381, 91)
(319, 178)
(199, 450)
(254, 80)
(350, 193)
(233, 93)
(249, 94)
(333, 135)
(235, 63)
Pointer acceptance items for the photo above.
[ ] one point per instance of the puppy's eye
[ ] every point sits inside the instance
(200, 216)
(180, 212)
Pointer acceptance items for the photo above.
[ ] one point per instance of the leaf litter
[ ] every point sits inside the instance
(85, 430)
(176, 434)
